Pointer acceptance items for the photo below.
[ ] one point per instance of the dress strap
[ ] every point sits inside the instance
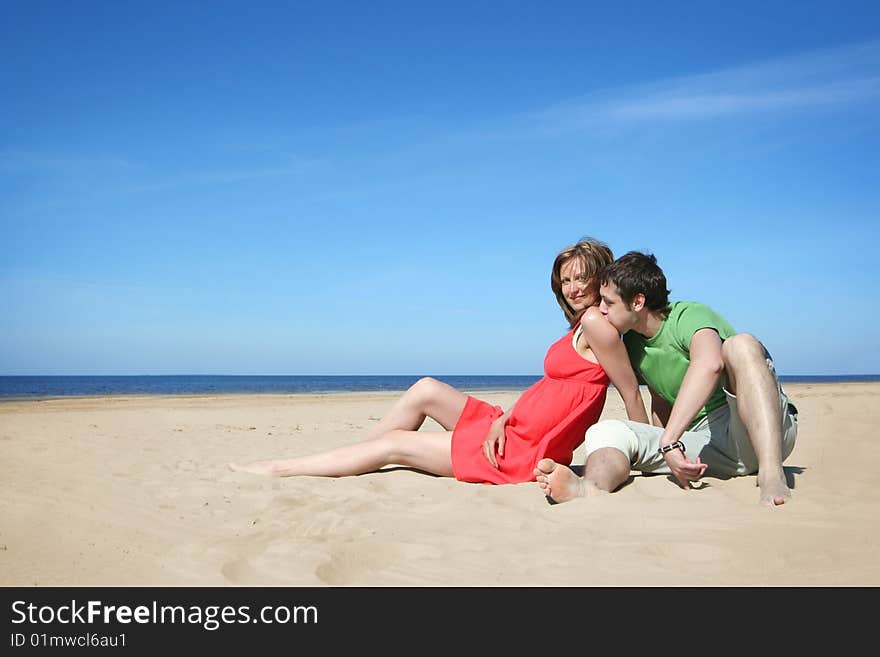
(576, 335)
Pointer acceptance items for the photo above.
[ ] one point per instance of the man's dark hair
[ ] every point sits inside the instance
(636, 273)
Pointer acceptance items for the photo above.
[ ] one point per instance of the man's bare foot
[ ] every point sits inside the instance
(269, 468)
(561, 484)
(774, 489)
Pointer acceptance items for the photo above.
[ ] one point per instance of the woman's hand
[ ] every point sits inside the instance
(495, 438)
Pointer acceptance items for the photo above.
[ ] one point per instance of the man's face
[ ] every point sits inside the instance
(616, 311)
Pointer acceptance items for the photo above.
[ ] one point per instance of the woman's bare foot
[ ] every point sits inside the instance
(268, 468)
(774, 489)
(561, 484)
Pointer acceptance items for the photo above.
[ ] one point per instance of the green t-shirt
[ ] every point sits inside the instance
(660, 362)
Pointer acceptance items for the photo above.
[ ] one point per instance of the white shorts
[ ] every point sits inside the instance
(720, 439)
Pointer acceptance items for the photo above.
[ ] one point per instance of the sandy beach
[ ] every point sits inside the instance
(125, 491)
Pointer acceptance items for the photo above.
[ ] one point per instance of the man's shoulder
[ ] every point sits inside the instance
(679, 307)
(691, 314)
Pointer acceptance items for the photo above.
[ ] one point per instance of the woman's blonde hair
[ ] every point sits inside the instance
(594, 256)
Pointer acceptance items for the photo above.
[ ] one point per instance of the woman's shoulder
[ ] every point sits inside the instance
(595, 324)
(591, 316)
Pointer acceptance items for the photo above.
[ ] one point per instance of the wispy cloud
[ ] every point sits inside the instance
(699, 104)
(814, 80)
(131, 176)
(293, 167)
(23, 161)
(832, 79)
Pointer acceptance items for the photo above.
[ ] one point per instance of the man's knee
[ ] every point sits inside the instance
(740, 346)
(614, 434)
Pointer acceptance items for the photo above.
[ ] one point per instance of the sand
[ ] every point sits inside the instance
(135, 491)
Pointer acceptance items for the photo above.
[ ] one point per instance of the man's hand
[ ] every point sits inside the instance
(684, 469)
(495, 437)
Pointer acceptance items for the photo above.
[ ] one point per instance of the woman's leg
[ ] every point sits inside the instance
(426, 450)
(427, 397)
(395, 439)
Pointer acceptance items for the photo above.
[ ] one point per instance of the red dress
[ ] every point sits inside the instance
(549, 420)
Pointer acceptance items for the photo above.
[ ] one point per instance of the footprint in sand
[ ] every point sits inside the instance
(348, 565)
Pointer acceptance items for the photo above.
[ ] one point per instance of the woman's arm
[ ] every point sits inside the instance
(605, 342)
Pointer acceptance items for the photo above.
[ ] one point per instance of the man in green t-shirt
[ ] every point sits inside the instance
(714, 395)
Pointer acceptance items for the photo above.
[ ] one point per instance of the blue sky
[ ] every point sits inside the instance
(381, 188)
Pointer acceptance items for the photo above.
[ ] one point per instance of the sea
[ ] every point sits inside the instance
(45, 387)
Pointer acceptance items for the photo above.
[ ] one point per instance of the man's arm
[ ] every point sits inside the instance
(700, 381)
(660, 410)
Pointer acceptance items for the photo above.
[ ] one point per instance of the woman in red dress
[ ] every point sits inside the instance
(482, 443)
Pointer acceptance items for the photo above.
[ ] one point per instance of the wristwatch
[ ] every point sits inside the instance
(671, 446)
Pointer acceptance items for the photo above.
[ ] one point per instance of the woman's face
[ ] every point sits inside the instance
(576, 287)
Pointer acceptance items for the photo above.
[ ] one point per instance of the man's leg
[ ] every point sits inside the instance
(610, 447)
(604, 472)
(757, 401)
(617, 447)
